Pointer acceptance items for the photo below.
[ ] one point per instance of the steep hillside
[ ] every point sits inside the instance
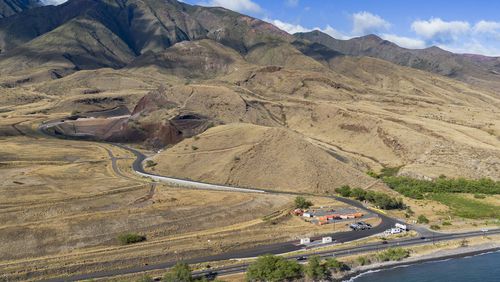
(12, 7)
(254, 156)
(109, 33)
(475, 69)
(181, 69)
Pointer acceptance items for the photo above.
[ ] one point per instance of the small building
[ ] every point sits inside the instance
(304, 241)
(306, 214)
(327, 240)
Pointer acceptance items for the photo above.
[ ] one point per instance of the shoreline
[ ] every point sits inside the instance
(451, 254)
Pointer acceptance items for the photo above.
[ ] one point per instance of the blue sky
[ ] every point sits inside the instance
(459, 26)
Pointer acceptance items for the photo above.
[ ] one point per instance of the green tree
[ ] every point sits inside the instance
(316, 270)
(359, 194)
(302, 203)
(181, 272)
(273, 268)
(344, 191)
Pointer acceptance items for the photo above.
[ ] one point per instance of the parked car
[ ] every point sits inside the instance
(364, 224)
(301, 258)
(355, 226)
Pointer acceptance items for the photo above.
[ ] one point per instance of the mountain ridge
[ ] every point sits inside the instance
(11, 7)
(478, 70)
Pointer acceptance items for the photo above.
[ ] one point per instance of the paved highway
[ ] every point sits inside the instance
(240, 268)
(278, 248)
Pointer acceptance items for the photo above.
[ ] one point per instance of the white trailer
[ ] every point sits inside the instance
(306, 214)
(395, 230)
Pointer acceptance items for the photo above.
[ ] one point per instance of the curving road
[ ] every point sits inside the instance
(277, 248)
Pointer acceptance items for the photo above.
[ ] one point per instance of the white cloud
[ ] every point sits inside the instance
(235, 5)
(438, 30)
(488, 29)
(294, 28)
(288, 27)
(53, 2)
(406, 42)
(365, 23)
(333, 32)
(292, 3)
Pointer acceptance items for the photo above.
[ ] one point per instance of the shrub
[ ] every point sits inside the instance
(393, 254)
(302, 203)
(150, 163)
(464, 243)
(479, 196)
(422, 219)
(145, 278)
(363, 260)
(131, 238)
(315, 270)
(194, 148)
(389, 171)
(372, 174)
(344, 191)
(273, 268)
(181, 272)
(435, 227)
(446, 223)
(336, 265)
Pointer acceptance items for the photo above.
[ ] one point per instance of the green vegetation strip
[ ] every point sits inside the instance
(416, 188)
(467, 208)
(381, 200)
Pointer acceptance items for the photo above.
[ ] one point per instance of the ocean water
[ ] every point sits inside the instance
(481, 268)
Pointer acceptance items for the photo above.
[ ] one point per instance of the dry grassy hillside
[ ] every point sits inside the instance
(255, 156)
(367, 112)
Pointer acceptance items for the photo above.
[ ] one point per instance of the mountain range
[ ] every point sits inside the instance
(348, 106)
(12, 7)
(475, 69)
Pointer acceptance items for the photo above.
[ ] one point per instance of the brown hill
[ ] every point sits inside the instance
(254, 156)
(217, 67)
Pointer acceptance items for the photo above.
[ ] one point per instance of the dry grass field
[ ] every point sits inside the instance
(63, 206)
